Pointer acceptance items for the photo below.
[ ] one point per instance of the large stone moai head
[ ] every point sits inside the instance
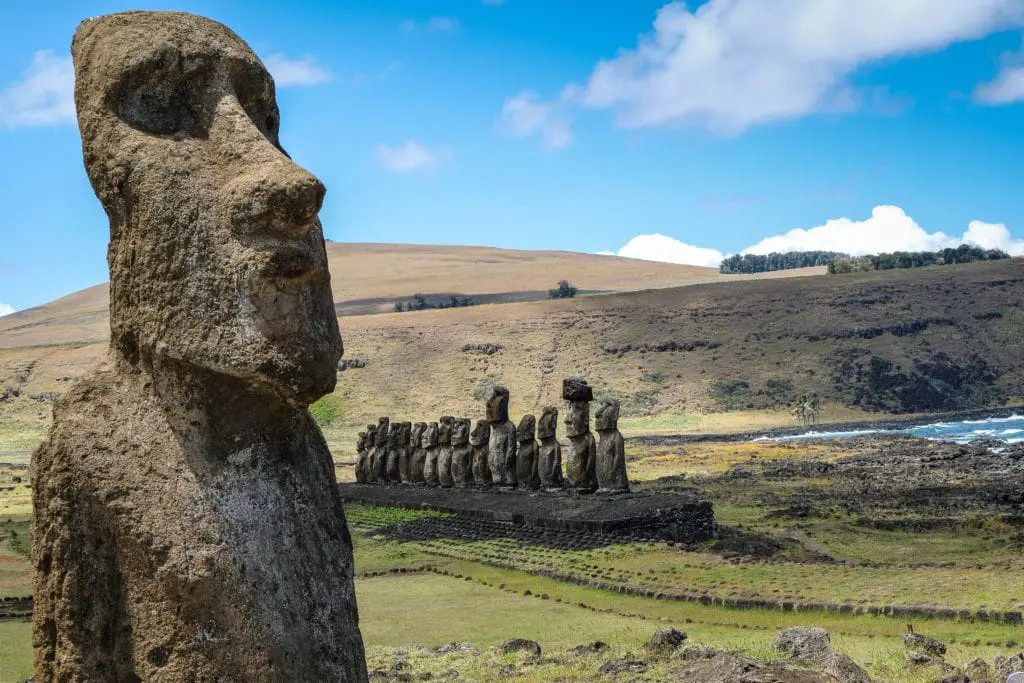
(444, 433)
(606, 419)
(579, 395)
(381, 435)
(416, 434)
(497, 405)
(361, 442)
(481, 433)
(395, 437)
(460, 431)
(547, 426)
(527, 429)
(430, 435)
(216, 254)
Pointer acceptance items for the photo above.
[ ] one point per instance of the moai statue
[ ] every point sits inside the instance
(360, 467)
(391, 471)
(501, 454)
(479, 439)
(432, 448)
(405, 454)
(526, 454)
(418, 456)
(444, 456)
(379, 460)
(173, 468)
(611, 453)
(580, 460)
(549, 455)
(462, 454)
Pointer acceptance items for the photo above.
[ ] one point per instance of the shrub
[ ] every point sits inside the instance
(565, 290)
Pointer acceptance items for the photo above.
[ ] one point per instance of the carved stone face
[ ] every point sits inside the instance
(606, 418)
(577, 421)
(444, 435)
(497, 405)
(416, 435)
(460, 432)
(381, 438)
(361, 442)
(481, 433)
(395, 436)
(547, 427)
(527, 428)
(216, 253)
(406, 433)
(371, 435)
(430, 435)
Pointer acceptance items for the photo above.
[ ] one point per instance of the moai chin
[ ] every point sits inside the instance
(379, 457)
(391, 468)
(418, 457)
(526, 454)
(580, 459)
(444, 456)
(611, 453)
(405, 454)
(501, 454)
(462, 453)
(360, 466)
(549, 454)
(150, 554)
(479, 439)
(433, 450)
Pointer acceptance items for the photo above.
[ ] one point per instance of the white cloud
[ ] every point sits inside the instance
(657, 247)
(6, 309)
(431, 25)
(1007, 87)
(287, 72)
(525, 115)
(993, 236)
(732, 64)
(411, 156)
(44, 96)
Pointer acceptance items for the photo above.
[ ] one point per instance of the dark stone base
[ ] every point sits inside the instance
(679, 517)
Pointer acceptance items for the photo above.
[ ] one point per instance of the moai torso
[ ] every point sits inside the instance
(405, 454)
(172, 467)
(526, 453)
(549, 453)
(432, 450)
(611, 454)
(462, 454)
(479, 439)
(501, 455)
(379, 457)
(391, 473)
(580, 459)
(444, 455)
(360, 466)
(418, 456)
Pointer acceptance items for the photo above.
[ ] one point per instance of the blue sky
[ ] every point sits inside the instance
(674, 131)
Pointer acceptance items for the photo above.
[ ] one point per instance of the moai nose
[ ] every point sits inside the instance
(278, 198)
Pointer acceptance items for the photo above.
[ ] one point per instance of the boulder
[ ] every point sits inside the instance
(522, 645)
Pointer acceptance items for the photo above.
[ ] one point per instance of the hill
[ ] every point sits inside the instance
(715, 354)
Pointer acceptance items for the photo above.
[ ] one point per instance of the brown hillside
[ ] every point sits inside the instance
(736, 346)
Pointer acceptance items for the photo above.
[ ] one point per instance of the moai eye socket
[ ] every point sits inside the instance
(164, 105)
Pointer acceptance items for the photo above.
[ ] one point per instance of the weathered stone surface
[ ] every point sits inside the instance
(479, 439)
(501, 454)
(614, 667)
(391, 469)
(611, 453)
(845, 669)
(549, 453)
(418, 456)
(405, 454)
(805, 643)
(919, 641)
(379, 455)
(526, 453)
(581, 457)
(728, 667)
(444, 456)
(1004, 666)
(433, 452)
(362, 452)
(462, 454)
(978, 670)
(666, 640)
(576, 389)
(522, 645)
(188, 523)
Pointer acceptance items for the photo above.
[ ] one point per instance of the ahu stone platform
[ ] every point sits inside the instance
(682, 517)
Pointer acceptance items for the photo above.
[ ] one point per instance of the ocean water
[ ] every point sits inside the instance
(1009, 429)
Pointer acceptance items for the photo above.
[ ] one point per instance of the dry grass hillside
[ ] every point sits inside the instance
(710, 355)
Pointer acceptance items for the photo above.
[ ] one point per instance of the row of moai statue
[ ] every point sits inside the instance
(497, 453)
